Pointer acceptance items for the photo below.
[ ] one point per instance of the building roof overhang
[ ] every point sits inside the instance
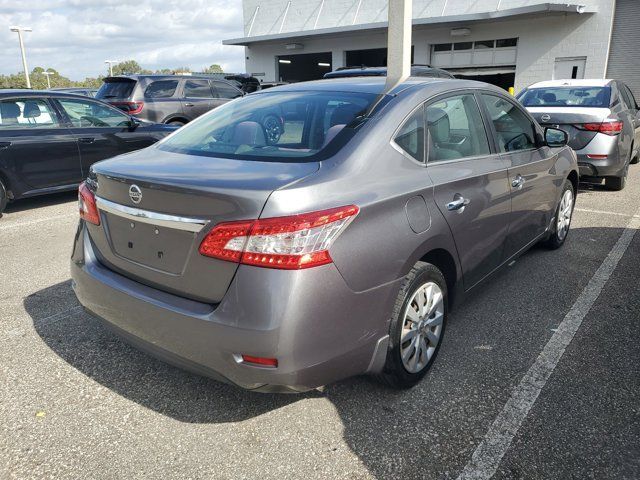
(510, 13)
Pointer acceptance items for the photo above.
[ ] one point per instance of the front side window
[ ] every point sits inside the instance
(26, 113)
(225, 90)
(197, 89)
(85, 113)
(161, 89)
(410, 137)
(597, 97)
(455, 129)
(277, 126)
(514, 129)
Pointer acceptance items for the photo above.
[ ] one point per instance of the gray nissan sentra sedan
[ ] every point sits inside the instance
(320, 230)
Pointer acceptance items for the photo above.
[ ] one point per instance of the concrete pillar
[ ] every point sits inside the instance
(399, 42)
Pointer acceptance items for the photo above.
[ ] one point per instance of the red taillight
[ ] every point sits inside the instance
(596, 157)
(607, 127)
(262, 361)
(132, 108)
(87, 205)
(291, 243)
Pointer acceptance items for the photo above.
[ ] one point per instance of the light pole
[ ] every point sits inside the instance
(48, 74)
(19, 30)
(110, 63)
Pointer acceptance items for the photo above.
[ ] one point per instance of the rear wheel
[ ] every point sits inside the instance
(177, 123)
(564, 212)
(616, 183)
(417, 326)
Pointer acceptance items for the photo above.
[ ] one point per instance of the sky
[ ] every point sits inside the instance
(75, 37)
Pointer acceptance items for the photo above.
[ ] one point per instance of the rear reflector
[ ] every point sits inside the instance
(262, 361)
(87, 205)
(608, 127)
(290, 243)
(132, 108)
(597, 157)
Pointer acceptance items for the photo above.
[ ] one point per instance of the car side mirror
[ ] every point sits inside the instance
(554, 137)
(133, 123)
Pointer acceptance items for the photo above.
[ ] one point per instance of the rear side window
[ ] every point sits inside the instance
(514, 129)
(279, 126)
(26, 113)
(455, 129)
(224, 90)
(410, 137)
(197, 89)
(597, 97)
(116, 88)
(161, 89)
(634, 103)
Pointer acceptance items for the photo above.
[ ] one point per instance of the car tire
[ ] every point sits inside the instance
(615, 183)
(412, 350)
(4, 198)
(178, 123)
(562, 219)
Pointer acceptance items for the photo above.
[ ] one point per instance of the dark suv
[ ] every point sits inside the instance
(174, 99)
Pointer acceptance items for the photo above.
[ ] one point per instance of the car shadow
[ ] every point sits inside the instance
(40, 201)
(492, 338)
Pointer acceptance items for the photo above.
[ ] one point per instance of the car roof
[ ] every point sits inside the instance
(23, 92)
(588, 82)
(369, 84)
(365, 71)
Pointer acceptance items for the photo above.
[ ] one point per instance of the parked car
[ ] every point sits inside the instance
(172, 99)
(335, 250)
(602, 119)
(246, 82)
(48, 140)
(363, 71)
(86, 92)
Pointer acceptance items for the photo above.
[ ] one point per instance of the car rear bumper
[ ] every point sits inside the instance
(319, 330)
(613, 165)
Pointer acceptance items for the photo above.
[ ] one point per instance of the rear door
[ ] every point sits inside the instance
(471, 185)
(100, 131)
(632, 113)
(36, 147)
(224, 92)
(530, 167)
(197, 98)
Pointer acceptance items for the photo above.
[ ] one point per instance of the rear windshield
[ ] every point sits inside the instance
(566, 96)
(116, 89)
(275, 126)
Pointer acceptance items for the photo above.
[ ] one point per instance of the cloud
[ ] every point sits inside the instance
(76, 36)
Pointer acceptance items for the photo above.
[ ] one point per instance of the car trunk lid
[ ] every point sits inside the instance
(156, 207)
(572, 121)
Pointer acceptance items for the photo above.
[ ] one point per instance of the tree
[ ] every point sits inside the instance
(127, 67)
(213, 68)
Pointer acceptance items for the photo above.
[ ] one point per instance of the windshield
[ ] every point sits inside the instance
(116, 89)
(275, 126)
(566, 97)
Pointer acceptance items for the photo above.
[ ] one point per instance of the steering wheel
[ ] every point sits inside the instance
(273, 128)
(514, 142)
(95, 122)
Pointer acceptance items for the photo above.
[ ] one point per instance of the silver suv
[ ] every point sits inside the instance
(602, 119)
(173, 99)
(286, 259)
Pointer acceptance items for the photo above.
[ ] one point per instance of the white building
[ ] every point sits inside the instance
(506, 42)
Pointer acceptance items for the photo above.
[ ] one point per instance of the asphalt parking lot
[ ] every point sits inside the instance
(76, 402)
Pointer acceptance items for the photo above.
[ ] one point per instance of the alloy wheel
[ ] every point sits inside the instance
(564, 214)
(422, 327)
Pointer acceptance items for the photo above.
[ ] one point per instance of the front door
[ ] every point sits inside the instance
(471, 184)
(530, 168)
(100, 130)
(35, 146)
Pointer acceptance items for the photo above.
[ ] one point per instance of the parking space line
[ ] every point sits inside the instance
(604, 212)
(39, 220)
(488, 455)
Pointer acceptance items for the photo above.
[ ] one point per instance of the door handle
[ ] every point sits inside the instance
(86, 140)
(4, 145)
(518, 182)
(188, 104)
(458, 203)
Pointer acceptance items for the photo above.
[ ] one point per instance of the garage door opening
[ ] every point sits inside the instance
(303, 67)
(371, 57)
(503, 77)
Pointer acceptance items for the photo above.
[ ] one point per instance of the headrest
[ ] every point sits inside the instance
(549, 97)
(438, 124)
(31, 110)
(331, 133)
(344, 114)
(9, 110)
(248, 133)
